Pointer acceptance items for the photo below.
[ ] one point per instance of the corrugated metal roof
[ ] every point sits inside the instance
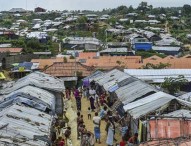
(114, 75)
(180, 113)
(167, 41)
(38, 35)
(165, 48)
(41, 94)
(114, 82)
(93, 76)
(158, 75)
(19, 124)
(81, 40)
(150, 104)
(37, 79)
(109, 50)
(133, 91)
(35, 66)
(186, 96)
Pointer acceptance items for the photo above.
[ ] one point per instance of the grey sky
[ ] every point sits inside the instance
(84, 4)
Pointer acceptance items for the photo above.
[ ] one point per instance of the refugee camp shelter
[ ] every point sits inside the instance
(28, 108)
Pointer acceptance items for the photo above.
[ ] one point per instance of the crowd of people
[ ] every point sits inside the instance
(98, 112)
(61, 132)
(99, 106)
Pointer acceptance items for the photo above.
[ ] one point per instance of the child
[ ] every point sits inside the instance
(61, 142)
(123, 142)
(82, 119)
(89, 113)
(67, 133)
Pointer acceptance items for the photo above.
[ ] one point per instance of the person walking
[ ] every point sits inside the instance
(78, 123)
(89, 113)
(97, 123)
(110, 133)
(67, 134)
(67, 92)
(92, 93)
(78, 99)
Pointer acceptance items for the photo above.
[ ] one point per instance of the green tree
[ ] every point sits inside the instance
(130, 10)
(65, 60)
(173, 85)
(7, 23)
(146, 54)
(143, 6)
(112, 21)
(82, 19)
(186, 10)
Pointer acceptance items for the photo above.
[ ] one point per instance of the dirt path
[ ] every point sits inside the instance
(71, 113)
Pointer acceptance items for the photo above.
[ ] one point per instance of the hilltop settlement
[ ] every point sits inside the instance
(114, 77)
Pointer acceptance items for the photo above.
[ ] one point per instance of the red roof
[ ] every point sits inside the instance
(87, 55)
(11, 50)
(68, 69)
(109, 62)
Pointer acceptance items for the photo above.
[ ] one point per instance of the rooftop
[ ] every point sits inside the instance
(11, 50)
(19, 124)
(37, 79)
(68, 69)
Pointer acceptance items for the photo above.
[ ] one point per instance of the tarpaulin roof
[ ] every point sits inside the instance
(158, 75)
(28, 66)
(179, 113)
(43, 95)
(2, 77)
(37, 79)
(22, 99)
(19, 124)
(94, 75)
(32, 96)
(114, 75)
(133, 91)
(114, 82)
(186, 96)
(150, 104)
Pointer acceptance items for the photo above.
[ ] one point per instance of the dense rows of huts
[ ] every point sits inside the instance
(158, 117)
(28, 108)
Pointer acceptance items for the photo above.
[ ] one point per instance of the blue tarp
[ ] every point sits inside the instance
(27, 99)
(20, 99)
(26, 65)
(143, 46)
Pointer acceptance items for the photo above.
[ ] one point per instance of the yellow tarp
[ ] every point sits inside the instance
(2, 76)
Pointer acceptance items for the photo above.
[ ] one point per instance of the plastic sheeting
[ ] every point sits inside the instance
(133, 91)
(186, 96)
(158, 75)
(151, 103)
(179, 113)
(20, 99)
(94, 75)
(37, 79)
(113, 75)
(33, 93)
(19, 124)
(2, 76)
